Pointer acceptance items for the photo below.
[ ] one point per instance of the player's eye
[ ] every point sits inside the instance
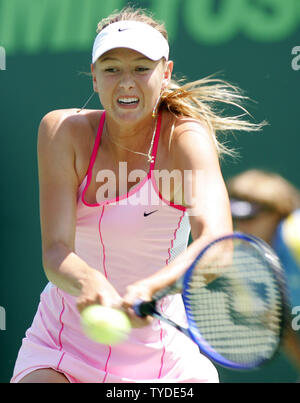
(111, 70)
(142, 69)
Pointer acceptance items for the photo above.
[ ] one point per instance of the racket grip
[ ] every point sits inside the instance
(143, 308)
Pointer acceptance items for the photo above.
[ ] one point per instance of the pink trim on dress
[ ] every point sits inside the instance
(102, 243)
(106, 365)
(173, 205)
(135, 189)
(62, 324)
(61, 358)
(163, 353)
(161, 304)
(92, 161)
(105, 273)
(93, 157)
(60, 332)
(155, 146)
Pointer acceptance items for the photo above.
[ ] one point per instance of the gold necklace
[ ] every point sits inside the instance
(148, 155)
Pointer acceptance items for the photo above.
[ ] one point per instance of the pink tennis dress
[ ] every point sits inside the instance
(127, 239)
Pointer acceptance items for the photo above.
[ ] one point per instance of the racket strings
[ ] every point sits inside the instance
(238, 312)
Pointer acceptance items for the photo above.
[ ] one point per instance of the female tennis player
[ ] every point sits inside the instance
(112, 232)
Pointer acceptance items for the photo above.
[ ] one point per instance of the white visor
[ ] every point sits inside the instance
(133, 35)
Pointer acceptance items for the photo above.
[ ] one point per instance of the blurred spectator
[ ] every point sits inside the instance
(266, 205)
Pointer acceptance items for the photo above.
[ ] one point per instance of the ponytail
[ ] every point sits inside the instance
(200, 99)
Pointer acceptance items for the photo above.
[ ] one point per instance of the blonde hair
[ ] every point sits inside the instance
(266, 188)
(198, 99)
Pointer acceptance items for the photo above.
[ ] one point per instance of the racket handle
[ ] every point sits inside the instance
(144, 308)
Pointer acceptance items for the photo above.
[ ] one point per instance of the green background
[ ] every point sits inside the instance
(48, 46)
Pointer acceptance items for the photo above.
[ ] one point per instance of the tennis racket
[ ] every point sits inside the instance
(235, 302)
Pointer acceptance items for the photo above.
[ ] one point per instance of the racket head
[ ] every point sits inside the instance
(247, 296)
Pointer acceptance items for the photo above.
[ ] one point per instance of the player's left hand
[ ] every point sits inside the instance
(134, 292)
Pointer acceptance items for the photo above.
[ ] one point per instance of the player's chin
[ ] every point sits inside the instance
(129, 117)
(132, 115)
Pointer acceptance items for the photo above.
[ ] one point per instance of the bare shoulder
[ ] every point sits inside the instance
(187, 128)
(193, 143)
(65, 135)
(66, 124)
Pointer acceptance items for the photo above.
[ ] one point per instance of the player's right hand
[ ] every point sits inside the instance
(96, 289)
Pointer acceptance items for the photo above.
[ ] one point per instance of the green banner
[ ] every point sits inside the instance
(31, 26)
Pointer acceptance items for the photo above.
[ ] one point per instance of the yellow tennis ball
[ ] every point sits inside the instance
(105, 325)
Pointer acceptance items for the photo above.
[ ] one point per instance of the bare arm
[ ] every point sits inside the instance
(58, 184)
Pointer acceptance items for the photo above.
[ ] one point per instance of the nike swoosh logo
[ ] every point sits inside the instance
(146, 214)
(124, 29)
